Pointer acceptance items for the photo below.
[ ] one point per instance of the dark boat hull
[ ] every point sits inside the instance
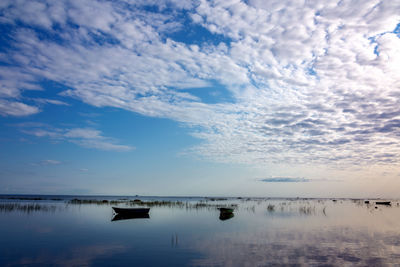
(131, 210)
(383, 203)
(226, 210)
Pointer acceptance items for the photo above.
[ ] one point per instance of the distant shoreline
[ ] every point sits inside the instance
(220, 198)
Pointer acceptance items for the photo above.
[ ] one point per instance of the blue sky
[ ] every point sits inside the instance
(263, 98)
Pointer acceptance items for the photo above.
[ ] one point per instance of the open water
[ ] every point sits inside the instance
(52, 230)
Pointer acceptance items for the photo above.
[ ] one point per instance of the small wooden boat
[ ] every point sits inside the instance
(226, 210)
(131, 210)
(382, 203)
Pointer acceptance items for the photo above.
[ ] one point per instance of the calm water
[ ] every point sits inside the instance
(261, 232)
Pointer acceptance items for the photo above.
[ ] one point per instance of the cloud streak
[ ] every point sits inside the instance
(47, 162)
(50, 162)
(285, 180)
(85, 137)
(296, 180)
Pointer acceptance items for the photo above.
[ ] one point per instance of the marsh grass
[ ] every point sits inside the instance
(135, 202)
(251, 208)
(301, 207)
(162, 203)
(94, 201)
(307, 210)
(28, 208)
(216, 198)
(30, 198)
(179, 204)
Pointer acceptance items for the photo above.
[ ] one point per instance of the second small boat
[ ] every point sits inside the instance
(226, 213)
(387, 203)
(226, 210)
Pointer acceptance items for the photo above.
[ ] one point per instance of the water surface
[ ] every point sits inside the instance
(40, 231)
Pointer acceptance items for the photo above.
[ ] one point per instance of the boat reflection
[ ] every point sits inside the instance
(129, 216)
(226, 216)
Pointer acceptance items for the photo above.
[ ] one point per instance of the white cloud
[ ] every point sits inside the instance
(46, 162)
(101, 145)
(85, 137)
(93, 139)
(50, 162)
(314, 65)
(286, 180)
(50, 101)
(83, 133)
(14, 108)
(311, 82)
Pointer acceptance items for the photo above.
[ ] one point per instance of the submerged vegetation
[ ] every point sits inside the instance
(308, 210)
(154, 203)
(29, 198)
(271, 208)
(9, 207)
(94, 201)
(284, 207)
(301, 207)
(135, 202)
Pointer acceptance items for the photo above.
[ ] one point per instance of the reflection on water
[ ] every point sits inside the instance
(328, 247)
(77, 256)
(28, 208)
(174, 240)
(303, 232)
(128, 216)
(223, 216)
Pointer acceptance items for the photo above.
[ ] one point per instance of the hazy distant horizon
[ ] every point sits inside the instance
(252, 98)
(214, 197)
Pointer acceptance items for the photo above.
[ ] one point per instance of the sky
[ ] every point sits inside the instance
(193, 98)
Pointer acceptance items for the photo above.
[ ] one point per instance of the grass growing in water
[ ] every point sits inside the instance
(95, 201)
(307, 210)
(271, 208)
(135, 202)
(29, 198)
(138, 202)
(10, 207)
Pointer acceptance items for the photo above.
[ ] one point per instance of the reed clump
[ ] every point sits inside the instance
(216, 198)
(10, 207)
(138, 202)
(271, 207)
(307, 210)
(94, 201)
